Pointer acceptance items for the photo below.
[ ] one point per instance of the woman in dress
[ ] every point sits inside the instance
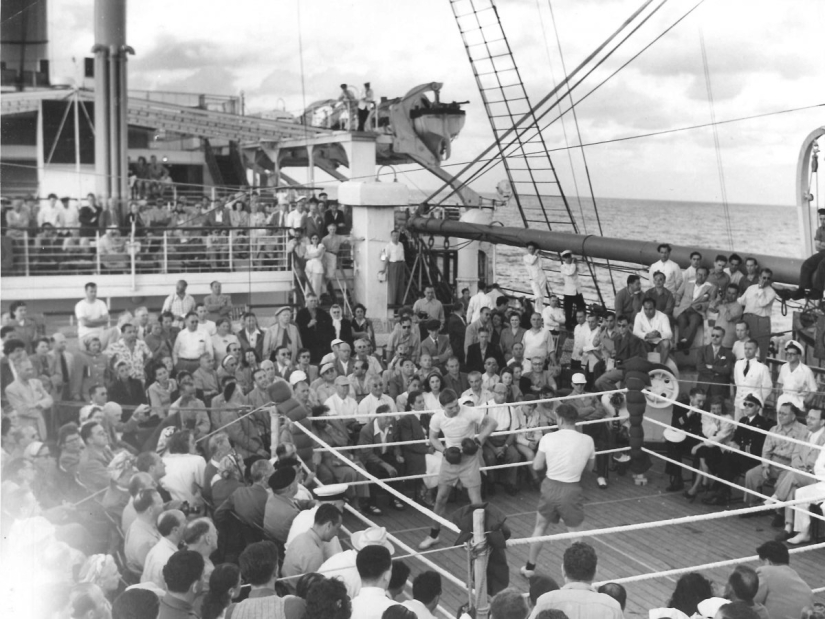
(362, 326)
(257, 229)
(432, 389)
(710, 455)
(223, 338)
(511, 335)
(239, 220)
(342, 326)
(332, 243)
(249, 363)
(513, 392)
(42, 365)
(315, 264)
(89, 218)
(25, 328)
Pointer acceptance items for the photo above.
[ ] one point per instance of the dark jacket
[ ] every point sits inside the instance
(475, 360)
(281, 394)
(318, 337)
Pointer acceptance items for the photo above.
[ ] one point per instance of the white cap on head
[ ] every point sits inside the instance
(296, 377)
(579, 379)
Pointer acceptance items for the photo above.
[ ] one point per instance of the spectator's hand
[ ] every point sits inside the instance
(317, 457)
(765, 471)
(695, 449)
(391, 470)
(400, 459)
(499, 451)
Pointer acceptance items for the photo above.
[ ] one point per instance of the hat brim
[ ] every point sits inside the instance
(357, 540)
(672, 435)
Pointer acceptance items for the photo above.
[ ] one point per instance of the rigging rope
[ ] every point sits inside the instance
(716, 145)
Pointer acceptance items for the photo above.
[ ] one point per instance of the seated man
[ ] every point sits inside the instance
(815, 493)
(653, 327)
(382, 462)
(249, 502)
(775, 449)
(626, 346)
(501, 449)
(781, 590)
(803, 459)
(143, 533)
(281, 506)
(692, 301)
(678, 445)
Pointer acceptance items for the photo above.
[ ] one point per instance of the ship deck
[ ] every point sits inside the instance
(622, 554)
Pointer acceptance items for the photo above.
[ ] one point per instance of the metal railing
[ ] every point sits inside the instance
(151, 250)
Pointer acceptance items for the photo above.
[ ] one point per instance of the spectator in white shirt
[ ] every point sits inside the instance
(190, 344)
(796, 380)
(573, 299)
(92, 316)
(204, 324)
(671, 270)
(171, 526)
(374, 565)
(553, 316)
(758, 303)
(653, 327)
(179, 303)
(689, 274)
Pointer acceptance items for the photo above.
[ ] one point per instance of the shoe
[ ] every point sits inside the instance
(690, 497)
(511, 489)
(621, 458)
(778, 521)
(526, 573)
(675, 485)
(602, 482)
(785, 536)
(429, 542)
(372, 509)
(399, 505)
(799, 538)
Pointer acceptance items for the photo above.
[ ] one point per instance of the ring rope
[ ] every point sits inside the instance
(773, 389)
(425, 441)
(724, 447)
(655, 524)
(707, 566)
(429, 513)
(771, 505)
(483, 468)
(731, 421)
(244, 416)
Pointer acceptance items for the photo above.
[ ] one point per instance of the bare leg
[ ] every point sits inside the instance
(699, 478)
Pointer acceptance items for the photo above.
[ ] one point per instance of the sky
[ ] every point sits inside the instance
(763, 57)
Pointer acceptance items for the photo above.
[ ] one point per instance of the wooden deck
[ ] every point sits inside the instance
(620, 555)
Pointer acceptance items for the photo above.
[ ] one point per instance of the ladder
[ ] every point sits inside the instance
(537, 191)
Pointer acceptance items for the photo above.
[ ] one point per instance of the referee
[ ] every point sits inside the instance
(566, 454)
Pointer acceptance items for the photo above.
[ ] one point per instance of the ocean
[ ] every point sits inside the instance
(765, 229)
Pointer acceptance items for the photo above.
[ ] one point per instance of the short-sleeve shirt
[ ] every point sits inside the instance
(567, 453)
(455, 429)
(90, 311)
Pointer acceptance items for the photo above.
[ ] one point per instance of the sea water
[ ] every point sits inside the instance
(743, 228)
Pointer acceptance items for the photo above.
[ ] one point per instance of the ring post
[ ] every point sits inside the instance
(480, 564)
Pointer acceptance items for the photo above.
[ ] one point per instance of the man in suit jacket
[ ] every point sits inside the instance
(471, 332)
(282, 333)
(62, 367)
(453, 378)
(716, 365)
(478, 353)
(343, 362)
(437, 346)
(455, 329)
(315, 326)
(692, 301)
(283, 362)
(249, 502)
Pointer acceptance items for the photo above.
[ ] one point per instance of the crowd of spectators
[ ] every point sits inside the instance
(271, 231)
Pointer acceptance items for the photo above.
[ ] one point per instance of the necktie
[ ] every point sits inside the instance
(747, 367)
(64, 368)
(285, 341)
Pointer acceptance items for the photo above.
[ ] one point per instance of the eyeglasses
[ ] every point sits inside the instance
(405, 326)
(749, 405)
(716, 335)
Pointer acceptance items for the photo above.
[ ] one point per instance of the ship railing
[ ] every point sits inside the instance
(159, 250)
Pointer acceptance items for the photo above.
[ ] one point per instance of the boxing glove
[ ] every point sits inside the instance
(469, 446)
(452, 455)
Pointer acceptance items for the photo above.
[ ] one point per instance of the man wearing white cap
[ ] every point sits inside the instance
(331, 356)
(776, 448)
(796, 380)
(341, 403)
(751, 376)
(591, 408)
(323, 388)
(535, 274)
(342, 565)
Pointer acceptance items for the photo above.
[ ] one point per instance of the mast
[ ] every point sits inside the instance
(804, 197)
(785, 270)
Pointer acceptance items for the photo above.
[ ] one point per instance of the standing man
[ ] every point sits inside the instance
(750, 376)
(535, 274)
(92, 316)
(132, 351)
(566, 453)
(315, 327)
(671, 270)
(751, 276)
(479, 301)
(758, 303)
(460, 449)
(217, 305)
(282, 333)
(395, 268)
(437, 346)
(190, 344)
(179, 303)
(730, 312)
(364, 104)
(692, 302)
(471, 334)
(715, 365)
(629, 299)
(430, 306)
(573, 299)
(456, 329)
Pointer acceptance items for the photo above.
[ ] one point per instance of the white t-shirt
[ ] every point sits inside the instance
(89, 311)
(183, 470)
(463, 425)
(342, 567)
(567, 453)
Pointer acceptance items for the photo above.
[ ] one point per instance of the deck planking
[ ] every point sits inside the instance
(621, 554)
